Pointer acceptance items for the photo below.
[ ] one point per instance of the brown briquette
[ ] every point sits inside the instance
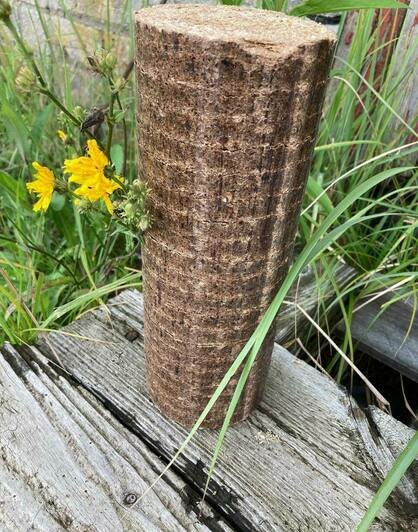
(229, 101)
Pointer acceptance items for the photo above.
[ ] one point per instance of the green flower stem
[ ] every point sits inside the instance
(125, 137)
(29, 244)
(120, 183)
(110, 122)
(44, 85)
(61, 106)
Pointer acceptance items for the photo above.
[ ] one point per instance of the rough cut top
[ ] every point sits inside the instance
(255, 27)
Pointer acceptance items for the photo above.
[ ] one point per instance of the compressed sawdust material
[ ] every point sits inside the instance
(229, 101)
(237, 25)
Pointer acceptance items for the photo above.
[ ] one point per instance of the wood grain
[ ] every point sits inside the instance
(303, 461)
(405, 58)
(389, 335)
(68, 464)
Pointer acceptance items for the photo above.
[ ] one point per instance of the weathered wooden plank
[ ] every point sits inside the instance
(395, 435)
(390, 336)
(299, 463)
(68, 464)
(405, 58)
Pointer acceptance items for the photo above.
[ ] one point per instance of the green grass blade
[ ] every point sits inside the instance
(232, 407)
(314, 190)
(383, 157)
(313, 249)
(345, 144)
(399, 468)
(128, 281)
(379, 97)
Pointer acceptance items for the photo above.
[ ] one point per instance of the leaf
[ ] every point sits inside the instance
(14, 187)
(116, 155)
(317, 7)
(345, 144)
(231, 2)
(271, 5)
(118, 117)
(314, 190)
(58, 202)
(39, 127)
(131, 280)
(16, 128)
(64, 221)
(401, 464)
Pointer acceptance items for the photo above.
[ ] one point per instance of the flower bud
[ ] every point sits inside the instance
(110, 60)
(119, 84)
(129, 210)
(62, 135)
(83, 204)
(26, 80)
(144, 222)
(138, 186)
(61, 186)
(93, 63)
(78, 112)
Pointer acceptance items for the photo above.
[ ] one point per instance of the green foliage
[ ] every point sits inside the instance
(56, 265)
(317, 7)
(232, 2)
(272, 5)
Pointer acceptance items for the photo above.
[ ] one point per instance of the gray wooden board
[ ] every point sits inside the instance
(390, 336)
(68, 464)
(309, 294)
(307, 459)
(405, 58)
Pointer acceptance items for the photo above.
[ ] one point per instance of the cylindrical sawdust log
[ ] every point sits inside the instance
(228, 105)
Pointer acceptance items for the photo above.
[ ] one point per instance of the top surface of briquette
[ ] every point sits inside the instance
(227, 23)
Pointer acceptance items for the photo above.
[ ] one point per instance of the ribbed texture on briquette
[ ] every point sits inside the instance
(228, 105)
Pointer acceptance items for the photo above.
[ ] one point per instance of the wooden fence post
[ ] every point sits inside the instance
(228, 105)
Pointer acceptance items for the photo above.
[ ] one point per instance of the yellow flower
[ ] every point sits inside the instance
(62, 135)
(89, 173)
(42, 186)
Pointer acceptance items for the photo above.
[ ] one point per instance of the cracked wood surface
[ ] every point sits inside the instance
(68, 464)
(308, 459)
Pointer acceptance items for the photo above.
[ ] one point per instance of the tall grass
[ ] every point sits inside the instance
(382, 251)
(61, 260)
